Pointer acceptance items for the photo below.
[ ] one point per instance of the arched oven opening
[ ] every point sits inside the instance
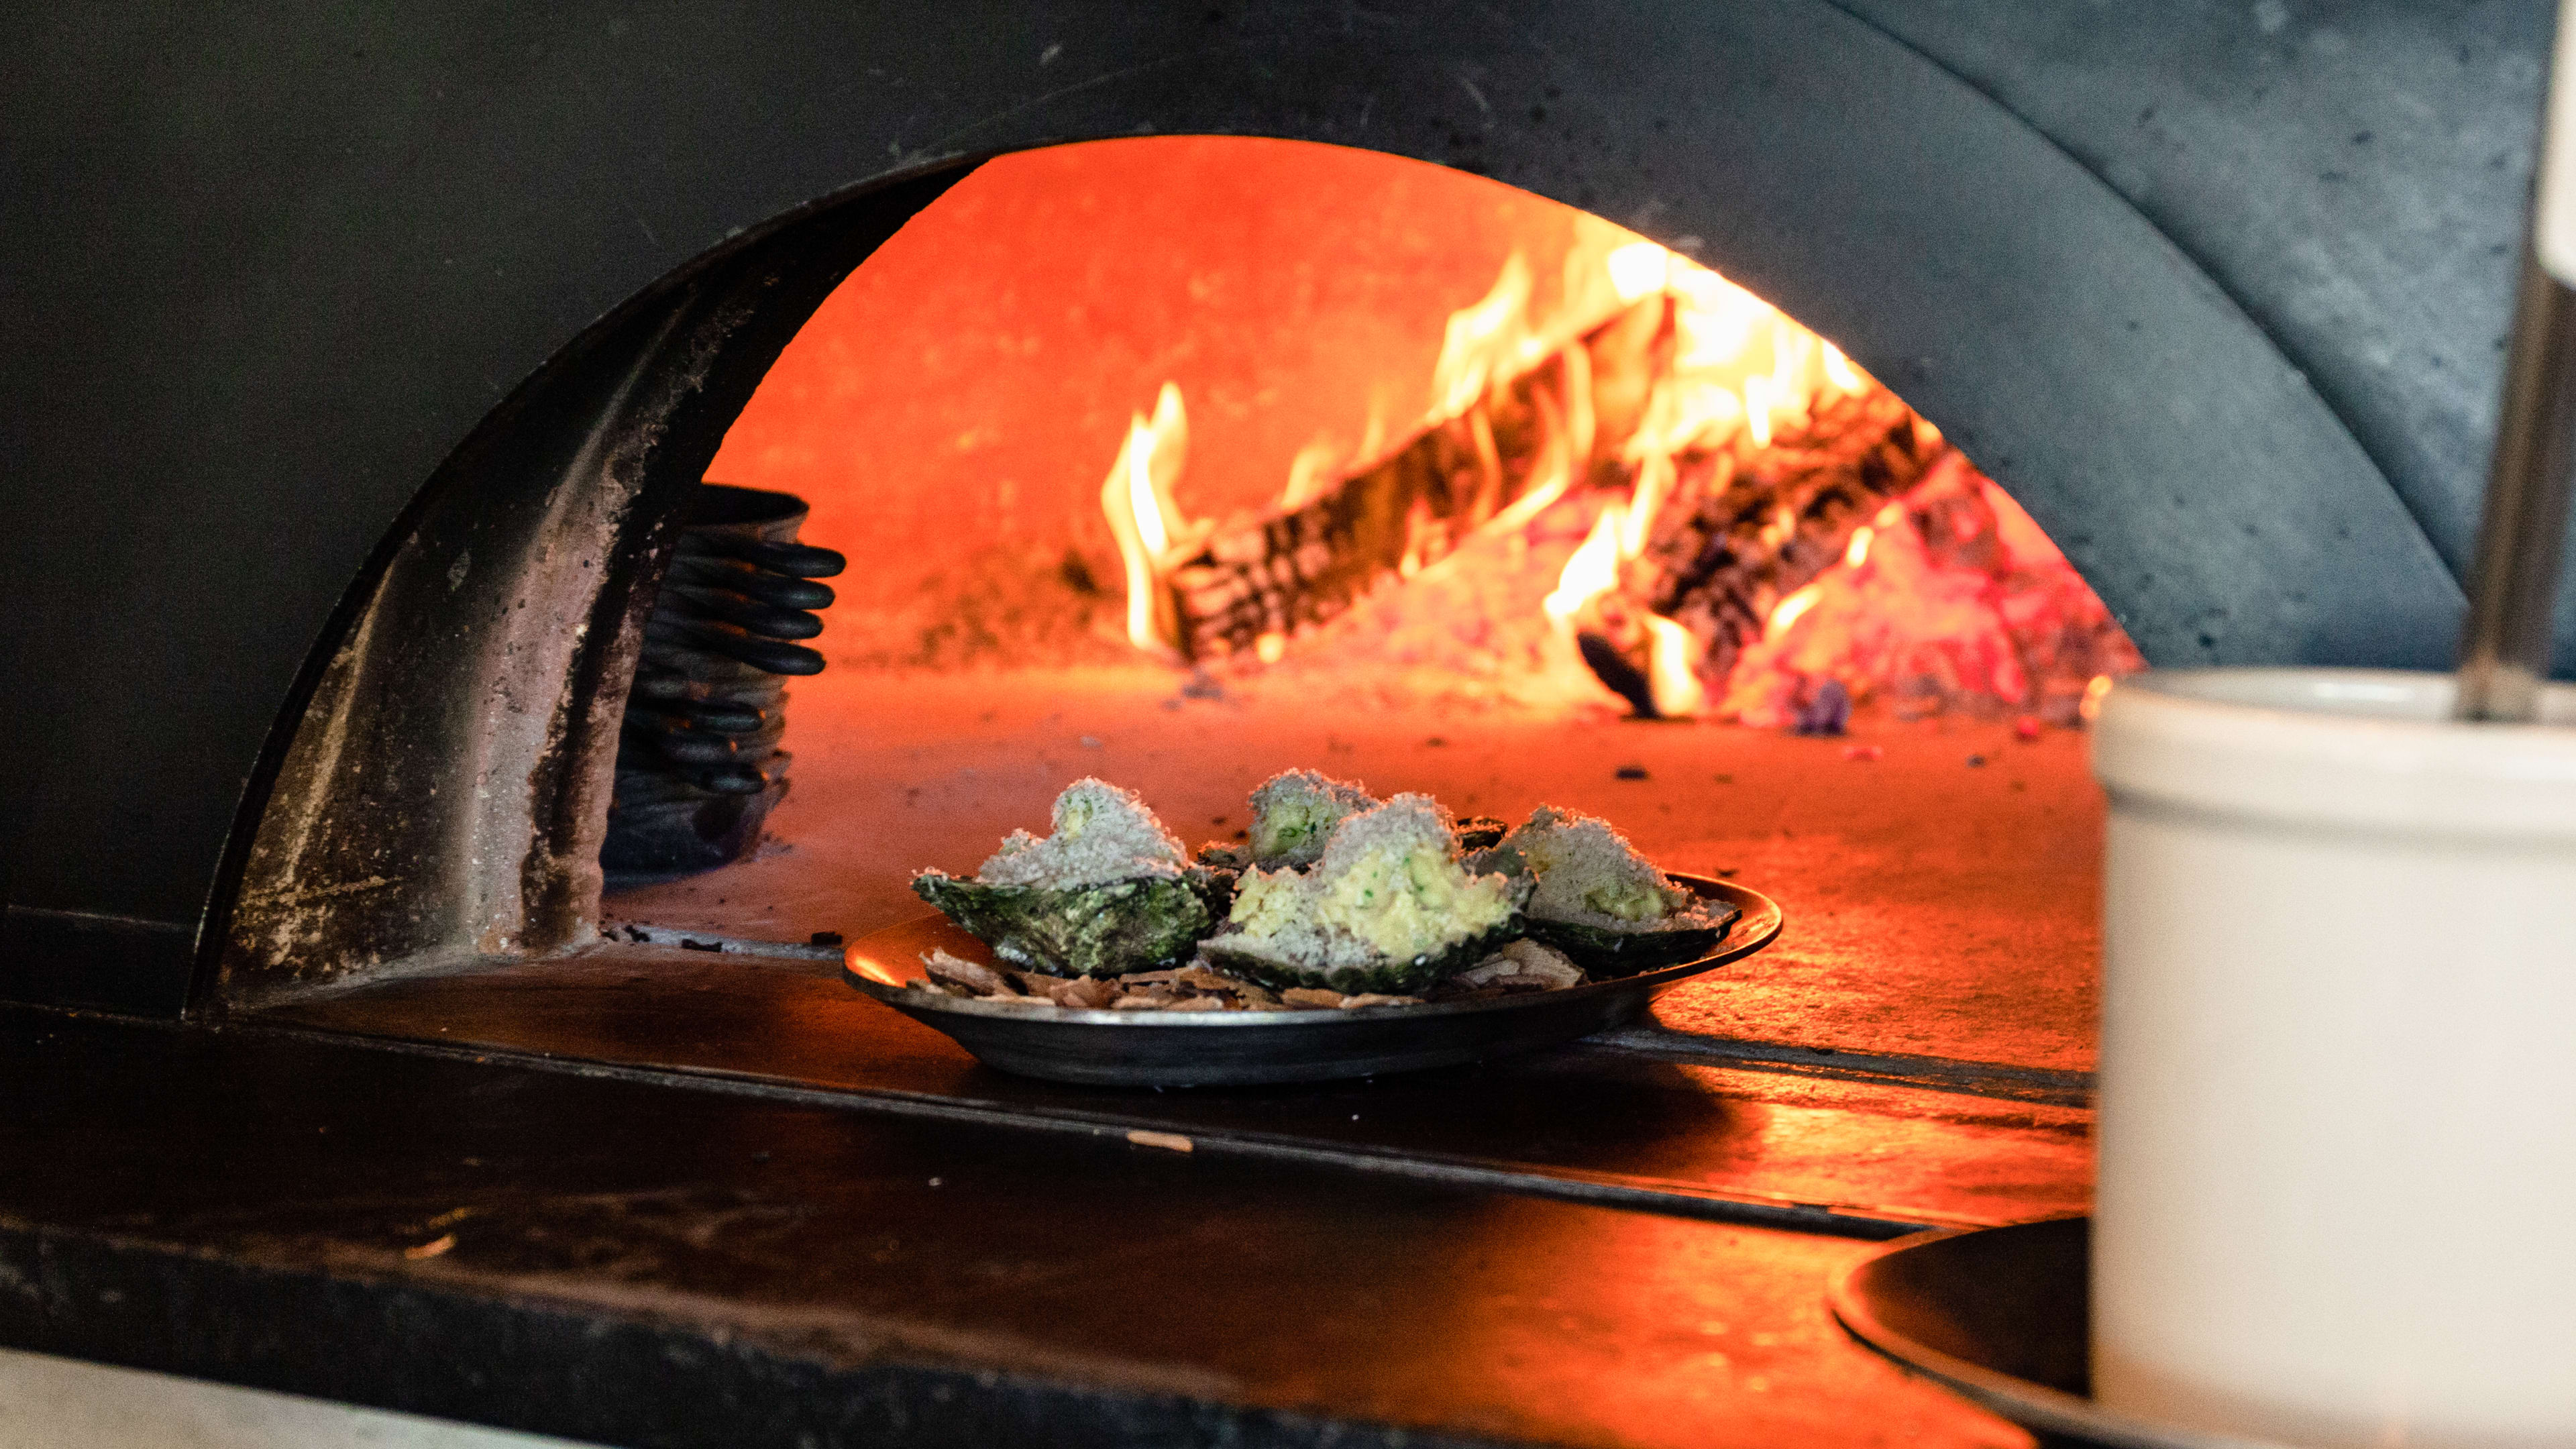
(1325, 454)
(1183, 461)
(1462, 456)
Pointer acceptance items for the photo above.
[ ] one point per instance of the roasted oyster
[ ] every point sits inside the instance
(1108, 891)
(1592, 896)
(1388, 907)
(1294, 811)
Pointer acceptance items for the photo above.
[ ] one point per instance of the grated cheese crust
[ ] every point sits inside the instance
(1100, 834)
(1295, 810)
(1584, 871)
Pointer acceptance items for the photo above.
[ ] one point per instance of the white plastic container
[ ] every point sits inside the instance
(2338, 1083)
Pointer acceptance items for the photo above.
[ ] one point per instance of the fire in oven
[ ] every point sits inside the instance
(1124, 735)
(1227, 575)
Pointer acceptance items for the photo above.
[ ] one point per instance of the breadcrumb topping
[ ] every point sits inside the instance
(1388, 887)
(1584, 871)
(1101, 834)
(1294, 810)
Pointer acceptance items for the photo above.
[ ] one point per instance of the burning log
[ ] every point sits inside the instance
(1516, 447)
(1746, 528)
(1758, 466)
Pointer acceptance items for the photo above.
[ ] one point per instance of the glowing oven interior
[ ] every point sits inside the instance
(1183, 461)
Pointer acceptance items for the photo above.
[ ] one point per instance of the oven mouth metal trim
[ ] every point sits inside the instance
(1637, 1193)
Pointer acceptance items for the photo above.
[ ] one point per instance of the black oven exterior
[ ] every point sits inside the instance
(2217, 291)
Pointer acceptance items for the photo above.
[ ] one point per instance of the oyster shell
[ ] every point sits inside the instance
(1108, 891)
(1592, 896)
(1388, 907)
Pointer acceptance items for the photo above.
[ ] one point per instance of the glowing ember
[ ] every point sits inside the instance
(1957, 599)
(1791, 610)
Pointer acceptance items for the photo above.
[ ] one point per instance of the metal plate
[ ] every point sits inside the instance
(1230, 1048)
(2002, 1316)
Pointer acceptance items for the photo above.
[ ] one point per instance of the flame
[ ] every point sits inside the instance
(1569, 442)
(1715, 318)
(1638, 270)
(1137, 500)
(1655, 477)
(1310, 474)
(1738, 361)
(1933, 598)
(1785, 617)
(1485, 341)
(870, 967)
(1792, 380)
(1142, 505)
(1839, 369)
(1739, 366)
(1592, 572)
(1673, 669)
(1373, 436)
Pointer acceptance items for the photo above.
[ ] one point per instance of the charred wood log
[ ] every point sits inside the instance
(1748, 526)
(1522, 444)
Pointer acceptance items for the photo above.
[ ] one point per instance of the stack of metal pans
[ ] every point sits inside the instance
(698, 762)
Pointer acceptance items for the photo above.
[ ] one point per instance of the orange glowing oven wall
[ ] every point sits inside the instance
(968, 388)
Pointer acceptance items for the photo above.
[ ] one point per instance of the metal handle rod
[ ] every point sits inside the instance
(2513, 587)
